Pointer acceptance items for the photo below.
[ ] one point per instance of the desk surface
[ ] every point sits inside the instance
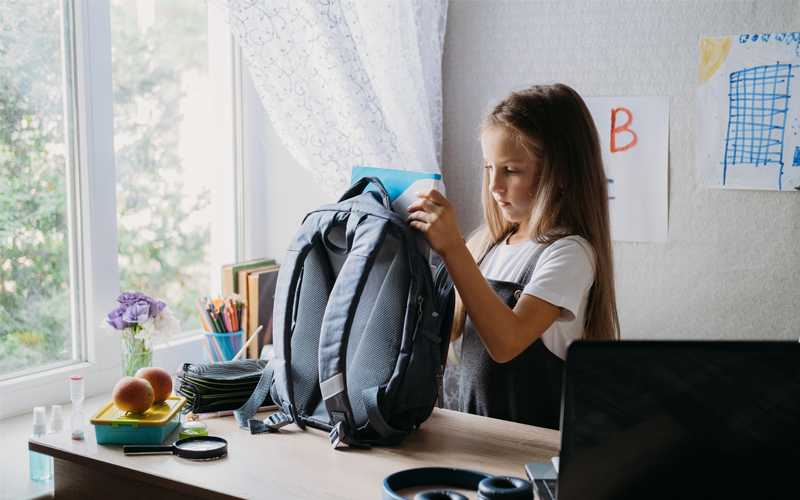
(302, 464)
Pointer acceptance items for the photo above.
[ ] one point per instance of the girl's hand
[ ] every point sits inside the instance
(435, 217)
(505, 332)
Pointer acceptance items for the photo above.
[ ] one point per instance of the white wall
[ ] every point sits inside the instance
(731, 268)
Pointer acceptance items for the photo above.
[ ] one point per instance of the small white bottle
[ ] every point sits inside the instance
(76, 396)
(56, 426)
(56, 420)
(41, 465)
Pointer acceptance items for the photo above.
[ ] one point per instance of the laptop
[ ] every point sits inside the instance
(677, 419)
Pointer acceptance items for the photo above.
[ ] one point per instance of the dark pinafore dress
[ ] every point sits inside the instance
(526, 389)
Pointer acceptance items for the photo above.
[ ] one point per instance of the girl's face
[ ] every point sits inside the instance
(511, 174)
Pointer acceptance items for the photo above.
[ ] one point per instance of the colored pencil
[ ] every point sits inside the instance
(255, 335)
(208, 351)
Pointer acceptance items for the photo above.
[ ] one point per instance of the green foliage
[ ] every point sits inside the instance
(161, 252)
(34, 280)
(30, 55)
(34, 258)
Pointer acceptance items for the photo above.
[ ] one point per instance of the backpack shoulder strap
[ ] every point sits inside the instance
(286, 290)
(249, 409)
(338, 319)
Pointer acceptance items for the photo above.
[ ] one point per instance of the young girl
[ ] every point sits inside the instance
(538, 273)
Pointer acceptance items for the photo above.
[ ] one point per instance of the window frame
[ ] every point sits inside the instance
(91, 201)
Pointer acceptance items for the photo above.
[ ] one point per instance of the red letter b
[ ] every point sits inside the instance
(622, 128)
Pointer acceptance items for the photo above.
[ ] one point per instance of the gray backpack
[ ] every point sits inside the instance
(361, 327)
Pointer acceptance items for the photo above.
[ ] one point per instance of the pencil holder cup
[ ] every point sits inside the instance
(223, 346)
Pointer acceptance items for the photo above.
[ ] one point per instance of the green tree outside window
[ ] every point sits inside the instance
(35, 321)
(163, 247)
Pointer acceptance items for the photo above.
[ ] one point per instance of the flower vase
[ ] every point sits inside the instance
(135, 355)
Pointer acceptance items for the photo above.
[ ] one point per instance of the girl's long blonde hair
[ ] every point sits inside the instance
(552, 123)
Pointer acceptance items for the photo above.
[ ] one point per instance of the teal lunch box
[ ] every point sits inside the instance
(114, 426)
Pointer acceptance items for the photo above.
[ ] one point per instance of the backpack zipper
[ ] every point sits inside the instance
(419, 317)
(440, 391)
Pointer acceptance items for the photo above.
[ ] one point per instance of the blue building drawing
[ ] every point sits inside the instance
(759, 100)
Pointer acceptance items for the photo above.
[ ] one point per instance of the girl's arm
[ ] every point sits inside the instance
(504, 332)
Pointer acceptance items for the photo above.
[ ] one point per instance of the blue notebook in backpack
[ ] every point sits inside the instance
(401, 186)
(361, 327)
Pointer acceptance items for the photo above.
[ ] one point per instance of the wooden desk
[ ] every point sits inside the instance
(293, 463)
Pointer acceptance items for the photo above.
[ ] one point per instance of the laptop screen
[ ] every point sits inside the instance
(680, 419)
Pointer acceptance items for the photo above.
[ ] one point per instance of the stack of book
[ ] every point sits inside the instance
(254, 282)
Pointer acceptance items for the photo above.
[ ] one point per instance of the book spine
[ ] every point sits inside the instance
(228, 280)
(244, 265)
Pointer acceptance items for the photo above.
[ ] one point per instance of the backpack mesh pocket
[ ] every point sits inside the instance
(379, 345)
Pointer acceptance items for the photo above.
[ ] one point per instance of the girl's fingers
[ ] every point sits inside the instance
(423, 197)
(424, 204)
(432, 195)
(434, 217)
(420, 226)
(420, 216)
(417, 205)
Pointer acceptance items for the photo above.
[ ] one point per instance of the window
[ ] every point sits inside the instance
(36, 327)
(74, 227)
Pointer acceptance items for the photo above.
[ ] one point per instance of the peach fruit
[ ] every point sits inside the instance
(133, 394)
(160, 379)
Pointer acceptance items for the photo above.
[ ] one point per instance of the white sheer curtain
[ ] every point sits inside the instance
(348, 82)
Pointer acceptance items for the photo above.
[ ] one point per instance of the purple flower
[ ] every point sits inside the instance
(137, 313)
(156, 306)
(127, 299)
(115, 319)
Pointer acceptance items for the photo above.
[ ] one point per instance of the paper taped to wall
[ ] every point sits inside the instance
(747, 117)
(634, 138)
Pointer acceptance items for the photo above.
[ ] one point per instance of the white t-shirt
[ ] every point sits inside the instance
(563, 277)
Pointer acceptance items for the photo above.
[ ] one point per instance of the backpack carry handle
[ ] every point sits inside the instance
(332, 219)
(358, 187)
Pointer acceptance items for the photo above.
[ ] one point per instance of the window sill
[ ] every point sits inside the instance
(21, 394)
(51, 387)
(44, 377)
(186, 338)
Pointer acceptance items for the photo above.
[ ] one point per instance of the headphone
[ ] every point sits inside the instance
(488, 487)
